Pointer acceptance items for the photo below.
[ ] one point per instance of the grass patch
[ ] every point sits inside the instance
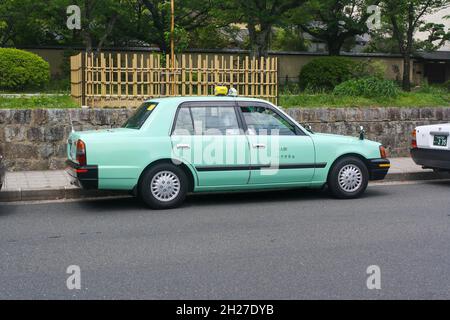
(405, 99)
(37, 102)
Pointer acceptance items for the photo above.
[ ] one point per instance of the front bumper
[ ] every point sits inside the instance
(431, 158)
(379, 168)
(83, 176)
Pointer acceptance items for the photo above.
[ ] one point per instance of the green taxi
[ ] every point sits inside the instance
(174, 146)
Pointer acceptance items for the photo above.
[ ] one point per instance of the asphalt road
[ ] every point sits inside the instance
(272, 245)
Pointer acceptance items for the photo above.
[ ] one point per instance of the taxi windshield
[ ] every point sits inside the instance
(140, 116)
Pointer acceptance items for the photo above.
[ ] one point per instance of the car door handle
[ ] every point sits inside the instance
(183, 146)
(259, 146)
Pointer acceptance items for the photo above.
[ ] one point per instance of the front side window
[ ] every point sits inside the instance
(264, 121)
(215, 121)
(137, 120)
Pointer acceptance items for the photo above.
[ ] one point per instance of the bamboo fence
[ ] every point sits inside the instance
(127, 79)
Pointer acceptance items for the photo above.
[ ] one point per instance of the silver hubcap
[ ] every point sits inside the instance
(165, 186)
(350, 178)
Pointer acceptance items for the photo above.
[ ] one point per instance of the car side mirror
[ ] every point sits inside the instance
(308, 128)
(362, 133)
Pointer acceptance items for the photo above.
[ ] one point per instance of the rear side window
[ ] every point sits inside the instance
(137, 120)
(184, 124)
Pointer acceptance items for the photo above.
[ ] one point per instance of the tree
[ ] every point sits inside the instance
(24, 22)
(260, 16)
(214, 36)
(189, 15)
(335, 21)
(288, 38)
(405, 19)
(437, 36)
(99, 18)
(8, 21)
(45, 22)
(381, 41)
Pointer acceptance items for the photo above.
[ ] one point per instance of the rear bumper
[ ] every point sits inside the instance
(379, 168)
(83, 176)
(431, 158)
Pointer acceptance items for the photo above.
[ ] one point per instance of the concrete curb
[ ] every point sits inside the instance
(419, 175)
(55, 194)
(14, 195)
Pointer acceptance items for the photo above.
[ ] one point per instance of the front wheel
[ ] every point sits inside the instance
(163, 186)
(348, 179)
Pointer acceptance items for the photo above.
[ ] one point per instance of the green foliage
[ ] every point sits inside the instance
(21, 70)
(330, 100)
(181, 38)
(290, 88)
(260, 17)
(370, 68)
(336, 22)
(288, 39)
(37, 102)
(436, 89)
(438, 35)
(403, 18)
(211, 37)
(190, 15)
(381, 43)
(367, 87)
(446, 85)
(325, 73)
(30, 22)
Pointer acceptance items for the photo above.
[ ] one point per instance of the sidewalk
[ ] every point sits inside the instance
(46, 185)
(54, 185)
(404, 169)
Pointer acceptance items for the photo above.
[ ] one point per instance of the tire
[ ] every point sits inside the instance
(348, 178)
(163, 186)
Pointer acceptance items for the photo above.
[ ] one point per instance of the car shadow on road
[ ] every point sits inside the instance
(6, 209)
(110, 205)
(256, 197)
(290, 195)
(207, 199)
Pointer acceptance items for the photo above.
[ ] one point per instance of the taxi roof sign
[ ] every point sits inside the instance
(220, 91)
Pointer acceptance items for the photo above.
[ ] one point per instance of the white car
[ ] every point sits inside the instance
(431, 147)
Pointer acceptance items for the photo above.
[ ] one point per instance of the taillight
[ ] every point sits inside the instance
(81, 153)
(383, 152)
(414, 140)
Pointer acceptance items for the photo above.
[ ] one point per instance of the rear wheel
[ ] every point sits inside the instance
(163, 186)
(348, 179)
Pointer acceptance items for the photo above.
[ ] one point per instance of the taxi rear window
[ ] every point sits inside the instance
(140, 115)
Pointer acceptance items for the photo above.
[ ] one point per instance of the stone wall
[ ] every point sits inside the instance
(390, 126)
(36, 139)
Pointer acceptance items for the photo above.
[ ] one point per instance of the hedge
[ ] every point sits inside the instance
(21, 70)
(325, 73)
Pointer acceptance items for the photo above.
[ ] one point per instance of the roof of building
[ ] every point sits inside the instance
(432, 56)
(436, 55)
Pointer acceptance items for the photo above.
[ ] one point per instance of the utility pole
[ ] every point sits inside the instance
(172, 44)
